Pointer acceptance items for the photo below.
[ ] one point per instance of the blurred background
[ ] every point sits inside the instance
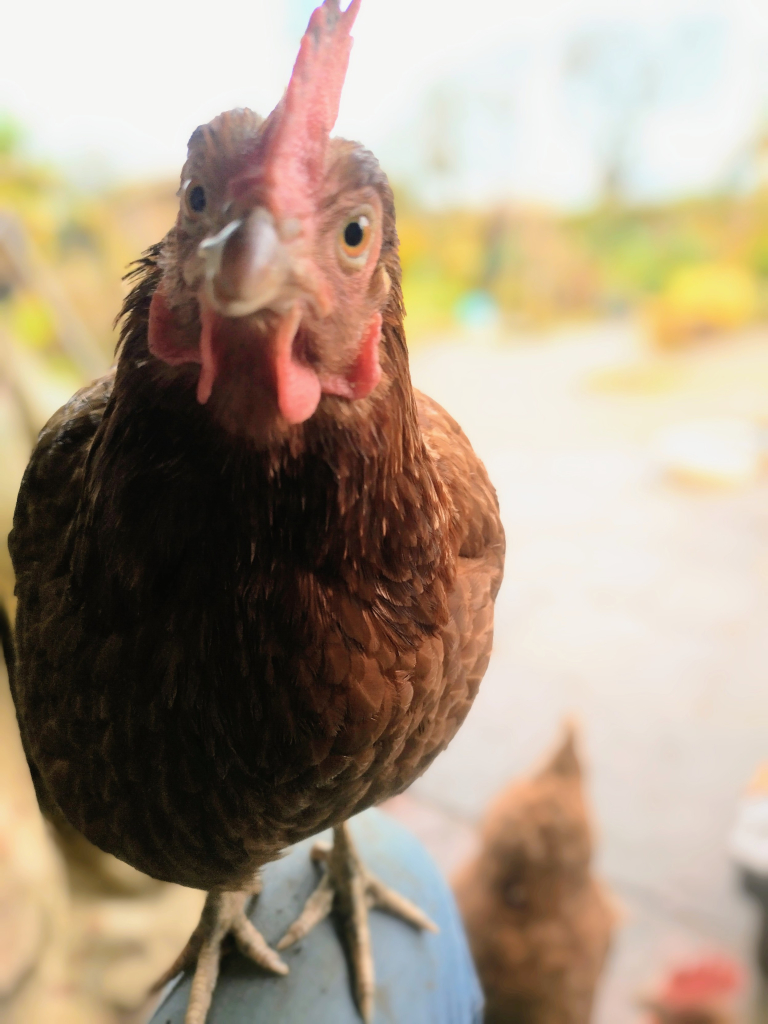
(582, 195)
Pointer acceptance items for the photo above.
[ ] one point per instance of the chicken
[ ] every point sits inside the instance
(255, 569)
(702, 992)
(538, 923)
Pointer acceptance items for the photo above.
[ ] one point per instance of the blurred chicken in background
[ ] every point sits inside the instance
(539, 923)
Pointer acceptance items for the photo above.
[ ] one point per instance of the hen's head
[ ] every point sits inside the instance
(280, 268)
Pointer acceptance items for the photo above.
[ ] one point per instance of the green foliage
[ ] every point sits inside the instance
(11, 135)
(30, 320)
(541, 267)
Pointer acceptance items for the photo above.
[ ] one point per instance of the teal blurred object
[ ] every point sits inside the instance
(421, 978)
(477, 310)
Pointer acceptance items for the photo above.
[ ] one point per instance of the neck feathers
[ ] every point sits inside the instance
(354, 498)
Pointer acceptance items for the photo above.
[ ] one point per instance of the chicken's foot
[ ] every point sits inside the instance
(224, 914)
(349, 889)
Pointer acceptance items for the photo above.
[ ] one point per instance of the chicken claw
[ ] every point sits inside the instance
(349, 889)
(224, 914)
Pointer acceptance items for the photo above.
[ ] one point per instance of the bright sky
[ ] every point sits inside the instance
(480, 92)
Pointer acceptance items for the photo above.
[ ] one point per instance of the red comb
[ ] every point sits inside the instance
(293, 163)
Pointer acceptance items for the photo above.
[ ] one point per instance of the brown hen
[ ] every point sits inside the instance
(255, 569)
(538, 922)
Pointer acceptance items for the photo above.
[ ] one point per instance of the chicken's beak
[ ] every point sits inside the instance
(253, 264)
(246, 265)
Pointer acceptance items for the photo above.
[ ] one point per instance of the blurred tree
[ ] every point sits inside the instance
(615, 69)
(619, 75)
(748, 170)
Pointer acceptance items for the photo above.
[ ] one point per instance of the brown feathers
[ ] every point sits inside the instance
(538, 923)
(229, 639)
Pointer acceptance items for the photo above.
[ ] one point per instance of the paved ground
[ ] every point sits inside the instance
(634, 601)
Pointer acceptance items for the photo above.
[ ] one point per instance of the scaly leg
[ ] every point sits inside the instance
(349, 889)
(224, 914)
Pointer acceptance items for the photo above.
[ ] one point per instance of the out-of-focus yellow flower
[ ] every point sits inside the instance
(30, 321)
(704, 299)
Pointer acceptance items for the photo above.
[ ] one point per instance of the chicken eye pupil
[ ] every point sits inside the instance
(197, 199)
(353, 234)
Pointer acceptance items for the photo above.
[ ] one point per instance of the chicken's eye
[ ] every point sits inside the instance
(354, 233)
(194, 196)
(354, 239)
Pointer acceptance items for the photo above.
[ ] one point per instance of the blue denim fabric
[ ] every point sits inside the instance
(421, 978)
